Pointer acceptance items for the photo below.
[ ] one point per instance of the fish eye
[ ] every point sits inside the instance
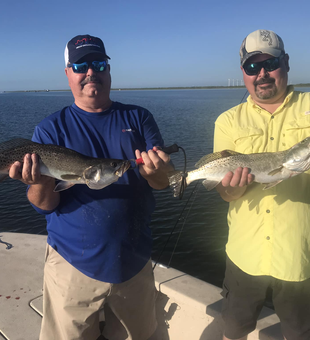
(113, 164)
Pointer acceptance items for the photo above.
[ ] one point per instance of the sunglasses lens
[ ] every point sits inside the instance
(271, 64)
(80, 68)
(99, 66)
(252, 69)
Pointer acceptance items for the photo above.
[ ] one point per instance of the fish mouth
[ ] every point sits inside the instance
(123, 168)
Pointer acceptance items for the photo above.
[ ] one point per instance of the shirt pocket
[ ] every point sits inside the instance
(248, 140)
(297, 130)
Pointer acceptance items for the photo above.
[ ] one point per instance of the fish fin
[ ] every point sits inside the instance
(63, 186)
(228, 153)
(271, 185)
(16, 142)
(3, 177)
(70, 177)
(275, 171)
(209, 185)
(214, 156)
(177, 183)
(99, 186)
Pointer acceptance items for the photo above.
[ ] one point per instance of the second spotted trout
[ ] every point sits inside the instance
(268, 168)
(66, 165)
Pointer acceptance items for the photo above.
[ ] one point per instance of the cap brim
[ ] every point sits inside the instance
(95, 53)
(271, 51)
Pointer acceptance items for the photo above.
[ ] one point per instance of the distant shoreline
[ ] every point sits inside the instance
(157, 88)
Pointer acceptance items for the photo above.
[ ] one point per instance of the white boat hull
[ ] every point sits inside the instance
(187, 308)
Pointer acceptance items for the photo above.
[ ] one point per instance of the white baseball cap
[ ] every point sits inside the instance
(261, 41)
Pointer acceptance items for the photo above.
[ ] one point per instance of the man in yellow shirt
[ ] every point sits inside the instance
(268, 249)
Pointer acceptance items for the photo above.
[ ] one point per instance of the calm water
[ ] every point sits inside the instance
(185, 117)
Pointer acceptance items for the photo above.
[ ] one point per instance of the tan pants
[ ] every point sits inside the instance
(72, 300)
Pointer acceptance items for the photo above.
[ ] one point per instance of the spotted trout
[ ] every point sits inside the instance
(268, 168)
(66, 165)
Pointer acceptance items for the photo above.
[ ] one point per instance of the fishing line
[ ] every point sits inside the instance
(246, 92)
(175, 246)
(179, 219)
(184, 174)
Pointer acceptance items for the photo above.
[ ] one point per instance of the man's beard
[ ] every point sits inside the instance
(266, 93)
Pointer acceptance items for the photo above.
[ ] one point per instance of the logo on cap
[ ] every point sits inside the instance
(86, 42)
(266, 37)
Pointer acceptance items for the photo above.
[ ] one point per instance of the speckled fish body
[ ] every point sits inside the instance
(63, 164)
(268, 168)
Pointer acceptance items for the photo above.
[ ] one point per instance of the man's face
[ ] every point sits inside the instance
(90, 84)
(267, 87)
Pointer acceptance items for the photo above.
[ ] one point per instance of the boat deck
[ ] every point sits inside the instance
(187, 308)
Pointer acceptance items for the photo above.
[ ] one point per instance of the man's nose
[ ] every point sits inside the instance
(263, 73)
(90, 71)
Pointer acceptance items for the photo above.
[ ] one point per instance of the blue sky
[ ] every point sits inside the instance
(159, 43)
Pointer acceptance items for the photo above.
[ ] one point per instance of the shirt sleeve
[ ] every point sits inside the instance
(223, 132)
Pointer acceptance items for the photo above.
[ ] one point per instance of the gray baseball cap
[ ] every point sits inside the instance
(261, 41)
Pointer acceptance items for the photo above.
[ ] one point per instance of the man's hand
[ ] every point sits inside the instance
(239, 178)
(234, 184)
(29, 171)
(41, 192)
(155, 168)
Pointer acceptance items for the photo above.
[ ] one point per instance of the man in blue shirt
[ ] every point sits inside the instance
(99, 241)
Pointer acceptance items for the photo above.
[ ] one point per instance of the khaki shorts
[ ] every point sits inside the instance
(72, 301)
(245, 295)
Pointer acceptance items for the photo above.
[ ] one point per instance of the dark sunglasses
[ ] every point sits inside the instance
(97, 66)
(252, 69)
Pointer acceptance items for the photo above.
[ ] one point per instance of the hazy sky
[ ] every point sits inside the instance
(159, 43)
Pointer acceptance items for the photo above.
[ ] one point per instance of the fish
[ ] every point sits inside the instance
(268, 168)
(61, 163)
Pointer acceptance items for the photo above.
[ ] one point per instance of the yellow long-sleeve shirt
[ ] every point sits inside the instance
(269, 230)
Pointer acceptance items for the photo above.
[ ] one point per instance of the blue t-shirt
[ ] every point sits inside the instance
(103, 233)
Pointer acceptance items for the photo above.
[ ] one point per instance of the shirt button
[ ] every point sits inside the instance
(268, 238)
(271, 138)
(268, 211)
(272, 117)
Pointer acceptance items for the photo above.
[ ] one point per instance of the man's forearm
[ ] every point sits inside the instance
(43, 196)
(159, 181)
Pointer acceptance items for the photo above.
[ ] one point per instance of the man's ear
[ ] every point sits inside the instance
(286, 59)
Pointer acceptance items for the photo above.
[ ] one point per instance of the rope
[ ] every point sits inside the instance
(8, 245)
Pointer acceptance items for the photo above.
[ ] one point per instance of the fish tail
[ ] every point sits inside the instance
(177, 183)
